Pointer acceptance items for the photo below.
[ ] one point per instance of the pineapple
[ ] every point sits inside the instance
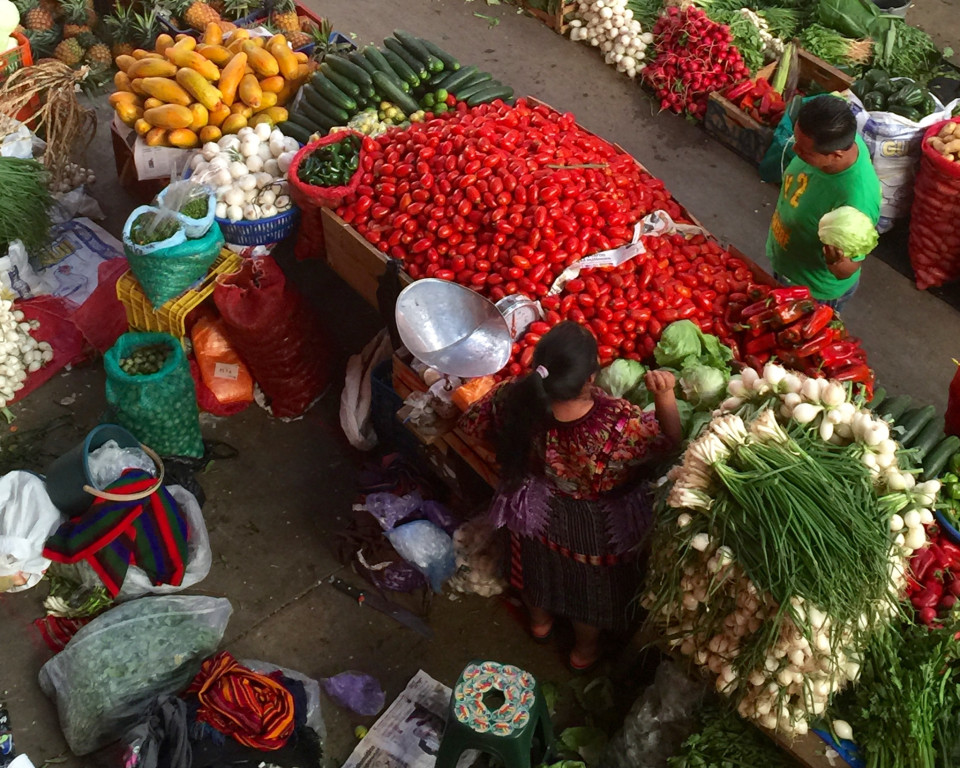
(284, 17)
(145, 28)
(199, 14)
(69, 51)
(237, 9)
(98, 55)
(43, 41)
(120, 29)
(76, 19)
(299, 39)
(35, 17)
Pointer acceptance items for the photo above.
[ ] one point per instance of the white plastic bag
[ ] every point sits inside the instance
(115, 666)
(27, 518)
(894, 145)
(355, 398)
(18, 280)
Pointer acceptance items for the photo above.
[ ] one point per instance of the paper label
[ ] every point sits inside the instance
(226, 371)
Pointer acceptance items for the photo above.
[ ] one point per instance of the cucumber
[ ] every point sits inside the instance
(319, 103)
(348, 69)
(419, 50)
(382, 65)
(404, 71)
(495, 90)
(913, 422)
(929, 436)
(935, 461)
(878, 395)
(477, 79)
(315, 116)
(294, 131)
(467, 91)
(305, 122)
(450, 64)
(363, 62)
(416, 66)
(345, 84)
(390, 92)
(333, 94)
(458, 78)
(893, 408)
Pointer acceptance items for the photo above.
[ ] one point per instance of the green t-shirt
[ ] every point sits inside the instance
(793, 245)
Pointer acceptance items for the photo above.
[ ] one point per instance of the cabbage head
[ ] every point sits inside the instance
(850, 230)
(703, 386)
(620, 377)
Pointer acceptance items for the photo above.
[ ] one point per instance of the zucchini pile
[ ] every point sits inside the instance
(408, 75)
(878, 93)
(918, 429)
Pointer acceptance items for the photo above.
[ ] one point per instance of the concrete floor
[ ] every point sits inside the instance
(273, 512)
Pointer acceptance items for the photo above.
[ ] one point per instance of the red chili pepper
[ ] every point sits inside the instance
(792, 335)
(952, 551)
(761, 344)
(754, 309)
(792, 310)
(928, 598)
(814, 345)
(921, 563)
(793, 293)
(839, 352)
(858, 372)
(817, 321)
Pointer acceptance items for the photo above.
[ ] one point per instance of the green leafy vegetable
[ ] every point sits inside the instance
(620, 377)
(850, 230)
(849, 17)
(683, 344)
(24, 203)
(703, 385)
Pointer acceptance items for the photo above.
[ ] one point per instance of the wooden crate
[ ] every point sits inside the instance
(744, 135)
(353, 258)
(558, 19)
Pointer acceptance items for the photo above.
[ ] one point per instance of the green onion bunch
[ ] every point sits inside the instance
(25, 203)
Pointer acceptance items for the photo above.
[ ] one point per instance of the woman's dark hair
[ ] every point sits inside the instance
(568, 352)
(828, 121)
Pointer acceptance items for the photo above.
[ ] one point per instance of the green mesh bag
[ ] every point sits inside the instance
(167, 272)
(159, 409)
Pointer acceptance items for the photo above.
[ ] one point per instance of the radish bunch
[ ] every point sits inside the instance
(609, 25)
(695, 56)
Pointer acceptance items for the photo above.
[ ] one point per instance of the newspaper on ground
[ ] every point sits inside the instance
(408, 734)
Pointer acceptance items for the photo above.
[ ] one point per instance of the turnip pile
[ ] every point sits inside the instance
(248, 173)
(609, 25)
(782, 544)
(20, 353)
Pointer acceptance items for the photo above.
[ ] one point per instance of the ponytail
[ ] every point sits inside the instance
(563, 362)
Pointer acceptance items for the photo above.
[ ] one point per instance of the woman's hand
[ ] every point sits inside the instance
(659, 382)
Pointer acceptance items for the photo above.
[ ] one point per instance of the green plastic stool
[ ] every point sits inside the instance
(508, 731)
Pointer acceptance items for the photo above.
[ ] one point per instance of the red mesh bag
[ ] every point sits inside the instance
(276, 333)
(312, 199)
(934, 244)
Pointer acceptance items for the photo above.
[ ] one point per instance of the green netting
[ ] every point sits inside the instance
(167, 272)
(160, 409)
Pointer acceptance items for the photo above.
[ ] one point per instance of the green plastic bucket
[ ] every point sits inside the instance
(69, 482)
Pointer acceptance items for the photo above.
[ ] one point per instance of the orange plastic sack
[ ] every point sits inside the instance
(468, 393)
(221, 368)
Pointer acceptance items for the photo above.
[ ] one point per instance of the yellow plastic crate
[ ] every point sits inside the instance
(171, 317)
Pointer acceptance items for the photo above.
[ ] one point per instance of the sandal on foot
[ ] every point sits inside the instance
(541, 633)
(581, 667)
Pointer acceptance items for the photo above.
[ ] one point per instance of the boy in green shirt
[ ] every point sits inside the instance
(832, 169)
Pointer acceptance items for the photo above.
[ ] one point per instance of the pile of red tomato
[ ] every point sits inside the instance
(502, 199)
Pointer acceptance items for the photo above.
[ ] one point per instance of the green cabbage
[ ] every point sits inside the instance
(703, 385)
(620, 377)
(682, 344)
(850, 230)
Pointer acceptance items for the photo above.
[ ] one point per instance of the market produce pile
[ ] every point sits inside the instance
(796, 466)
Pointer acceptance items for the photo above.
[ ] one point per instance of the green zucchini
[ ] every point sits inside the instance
(396, 96)
(363, 62)
(936, 459)
(345, 84)
(305, 122)
(929, 436)
(294, 131)
(318, 102)
(494, 90)
(878, 395)
(458, 78)
(476, 79)
(333, 94)
(450, 64)
(348, 69)
(913, 423)
(895, 407)
(315, 116)
(474, 87)
(395, 47)
(403, 70)
(419, 50)
(376, 58)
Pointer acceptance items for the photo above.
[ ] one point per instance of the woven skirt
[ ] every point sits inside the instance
(570, 572)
